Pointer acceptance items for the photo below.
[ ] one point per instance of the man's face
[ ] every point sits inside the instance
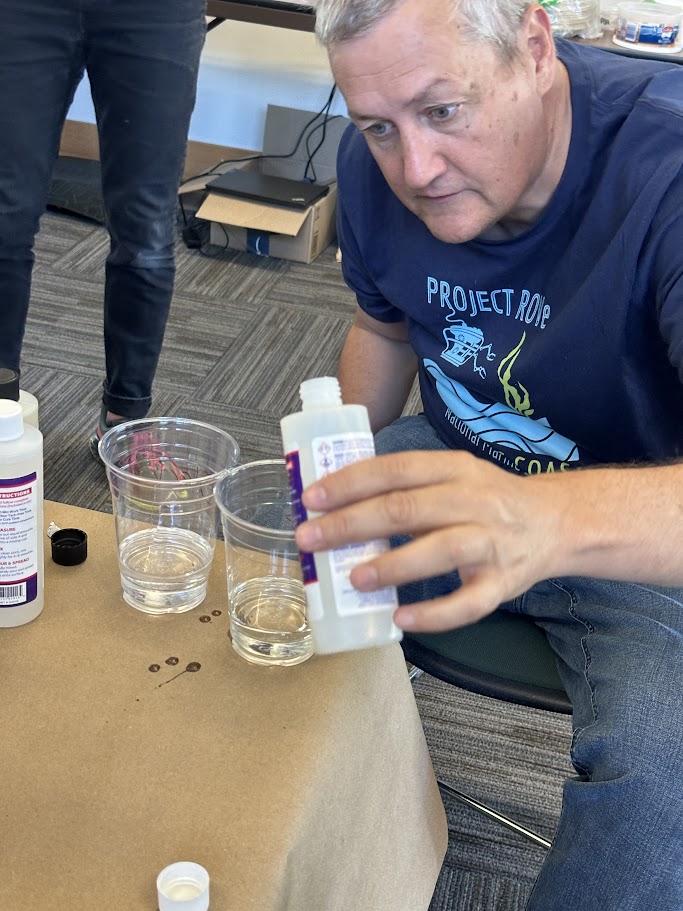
(459, 135)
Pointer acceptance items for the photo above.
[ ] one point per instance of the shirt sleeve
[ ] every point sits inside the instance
(354, 227)
(668, 268)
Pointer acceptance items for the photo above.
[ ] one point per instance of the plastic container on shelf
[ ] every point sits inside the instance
(654, 27)
(575, 18)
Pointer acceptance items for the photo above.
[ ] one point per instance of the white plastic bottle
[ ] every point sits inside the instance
(323, 437)
(21, 517)
(9, 389)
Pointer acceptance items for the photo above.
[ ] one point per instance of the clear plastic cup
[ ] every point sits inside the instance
(266, 600)
(162, 473)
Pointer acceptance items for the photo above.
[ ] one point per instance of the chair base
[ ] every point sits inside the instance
(493, 814)
(444, 788)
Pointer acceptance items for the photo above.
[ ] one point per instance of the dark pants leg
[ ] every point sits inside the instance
(41, 62)
(142, 58)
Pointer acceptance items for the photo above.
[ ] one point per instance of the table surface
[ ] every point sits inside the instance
(279, 13)
(297, 788)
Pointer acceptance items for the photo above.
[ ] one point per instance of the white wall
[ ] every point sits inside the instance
(244, 68)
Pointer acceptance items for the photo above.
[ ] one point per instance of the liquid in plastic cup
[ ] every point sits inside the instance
(162, 473)
(266, 600)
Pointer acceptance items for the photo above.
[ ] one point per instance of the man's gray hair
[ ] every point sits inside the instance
(495, 21)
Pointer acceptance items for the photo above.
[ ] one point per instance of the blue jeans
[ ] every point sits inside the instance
(142, 58)
(619, 647)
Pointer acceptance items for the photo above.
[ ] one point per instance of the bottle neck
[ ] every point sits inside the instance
(320, 392)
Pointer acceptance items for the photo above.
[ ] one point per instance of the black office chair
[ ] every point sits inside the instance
(505, 656)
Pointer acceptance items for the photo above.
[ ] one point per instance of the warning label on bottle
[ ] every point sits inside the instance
(334, 452)
(18, 540)
(331, 453)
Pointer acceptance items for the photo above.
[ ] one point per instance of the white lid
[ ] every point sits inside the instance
(11, 420)
(183, 886)
(320, 392)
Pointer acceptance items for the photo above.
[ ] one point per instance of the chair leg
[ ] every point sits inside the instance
(413, 674)
(493, 814)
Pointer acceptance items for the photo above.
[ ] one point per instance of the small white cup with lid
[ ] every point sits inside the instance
(183, 886)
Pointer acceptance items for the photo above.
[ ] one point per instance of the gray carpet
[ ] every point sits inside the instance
(243, 332)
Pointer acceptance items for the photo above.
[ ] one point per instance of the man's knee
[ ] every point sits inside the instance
(409, 432)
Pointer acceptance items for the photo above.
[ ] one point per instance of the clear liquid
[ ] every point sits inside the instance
(268, 621)
(165, 570)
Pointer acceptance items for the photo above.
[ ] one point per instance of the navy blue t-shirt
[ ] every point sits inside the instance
(562, 347)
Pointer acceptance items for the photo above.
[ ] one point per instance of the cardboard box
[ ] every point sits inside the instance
(270, 230)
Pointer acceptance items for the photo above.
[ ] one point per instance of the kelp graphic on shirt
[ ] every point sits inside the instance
(490, 425)
(520, 403)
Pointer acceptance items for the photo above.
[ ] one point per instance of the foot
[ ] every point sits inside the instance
(106, 420)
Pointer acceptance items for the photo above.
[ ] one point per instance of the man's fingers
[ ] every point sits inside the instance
(429, 555)
(412, 511)
(474, 600)
(373, 477)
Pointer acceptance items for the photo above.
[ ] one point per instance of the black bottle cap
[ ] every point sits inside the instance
(9, 384)
(69, 546)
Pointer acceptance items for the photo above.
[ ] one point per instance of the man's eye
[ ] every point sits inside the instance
(443, 112)
(378, 130)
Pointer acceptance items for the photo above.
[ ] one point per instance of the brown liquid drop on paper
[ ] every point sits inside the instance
(172, 661)
(193, 666)
(205, 619)
(154, 668)
(216, 613)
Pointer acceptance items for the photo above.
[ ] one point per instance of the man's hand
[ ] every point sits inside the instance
(500, 531)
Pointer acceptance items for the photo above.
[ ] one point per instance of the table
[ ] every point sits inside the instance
(299, 789)
(301, 16)
(279, 13)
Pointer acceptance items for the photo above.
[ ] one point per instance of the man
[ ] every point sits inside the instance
(511, 220)
(142, 58)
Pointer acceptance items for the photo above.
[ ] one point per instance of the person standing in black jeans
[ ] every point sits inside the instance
(142, 58)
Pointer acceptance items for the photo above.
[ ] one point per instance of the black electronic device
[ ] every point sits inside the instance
(257, 187)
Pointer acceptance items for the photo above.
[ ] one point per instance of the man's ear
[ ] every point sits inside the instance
(537, 45)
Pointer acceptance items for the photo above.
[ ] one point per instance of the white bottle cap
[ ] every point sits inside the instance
(320, 392)
(183, 886)
(11, 420)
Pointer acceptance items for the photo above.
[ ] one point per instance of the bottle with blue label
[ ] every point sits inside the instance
(21, 517)
(324, 436)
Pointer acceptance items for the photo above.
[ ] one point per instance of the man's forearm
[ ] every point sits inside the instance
(622, 523)
(377, 372)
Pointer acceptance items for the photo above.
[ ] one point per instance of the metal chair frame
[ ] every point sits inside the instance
(486, 683)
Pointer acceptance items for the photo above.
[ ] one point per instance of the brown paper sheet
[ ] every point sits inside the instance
(297, 788)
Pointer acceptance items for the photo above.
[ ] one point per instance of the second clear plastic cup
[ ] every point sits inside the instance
(162, 473)
(266, 599)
